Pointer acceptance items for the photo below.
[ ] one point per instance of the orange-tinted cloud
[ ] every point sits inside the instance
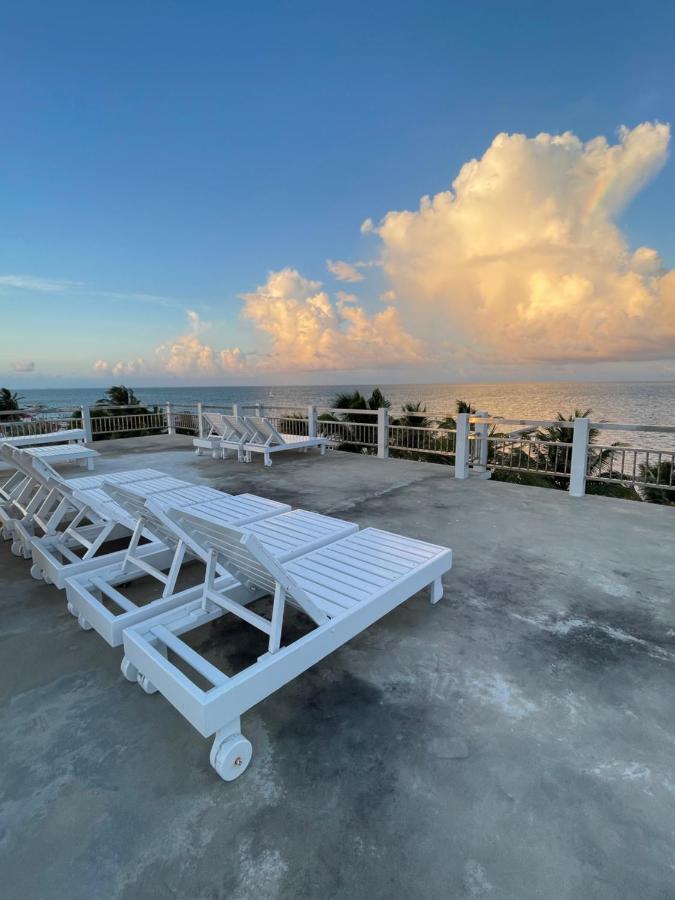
(523, 260)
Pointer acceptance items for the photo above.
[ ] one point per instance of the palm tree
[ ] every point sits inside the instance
(9, 401)
(414, 415)
(658, 474)
(119, 395)
(559, 460)
(449, 423)
(351, 433)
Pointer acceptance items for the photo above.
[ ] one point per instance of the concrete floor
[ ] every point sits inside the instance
(515, 741)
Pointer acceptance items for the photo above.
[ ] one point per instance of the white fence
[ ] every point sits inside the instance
(477, 444)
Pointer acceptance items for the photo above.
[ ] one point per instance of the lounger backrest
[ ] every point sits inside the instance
(42, 471)
(264, 428)
(243, 556)
(239, 427)
(217, 423)
(134, 506)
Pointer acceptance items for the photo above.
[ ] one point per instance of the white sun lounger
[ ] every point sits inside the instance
(268, 440)
(219, 431)
(343, 587)
(93, 597)
(226, 433)
(64, 453)
(53, 554)
(37, 486)
(63, 435)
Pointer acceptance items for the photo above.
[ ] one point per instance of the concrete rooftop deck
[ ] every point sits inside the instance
(515, 741)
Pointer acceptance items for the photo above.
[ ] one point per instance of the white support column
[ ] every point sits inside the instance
(311, 421)
(382, 433)
(170, 421)
(235, 410)
(579, 465)
(481, 432)
(259, 410)
(86, 424)
(200, 420)
(462, 446)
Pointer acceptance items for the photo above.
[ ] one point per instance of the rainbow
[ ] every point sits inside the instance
(598, 193)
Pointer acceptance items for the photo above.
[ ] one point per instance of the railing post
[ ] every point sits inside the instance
(481, 432)
(579, 464)
(462, 446)
(311, 421)
(258, 410)
(200, 420)
(235, 410)
(170, 421)
(86, 424)
(382, 433)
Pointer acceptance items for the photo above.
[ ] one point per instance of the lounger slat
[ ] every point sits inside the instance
(340, 567)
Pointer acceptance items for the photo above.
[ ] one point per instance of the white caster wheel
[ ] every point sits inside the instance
(129, 670)
(146, 684)
(5, 534)
(230, 756)
(71, 609)
(16, 548)
(36, 573)
(82, 622)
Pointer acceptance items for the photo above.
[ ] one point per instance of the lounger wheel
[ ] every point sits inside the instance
(6, 534)
(36, 573)
(83, 623)
(129, 670)
(146, 684)
(17, 548)
(71, 609)
(231, 755)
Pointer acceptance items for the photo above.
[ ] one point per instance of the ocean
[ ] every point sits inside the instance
(648, 403)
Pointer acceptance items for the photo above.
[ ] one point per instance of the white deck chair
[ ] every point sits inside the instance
(268, 440)
(97, 521)
(94, 597)
(226, 433)
(36, 486)
(219, 431)
(343, 587)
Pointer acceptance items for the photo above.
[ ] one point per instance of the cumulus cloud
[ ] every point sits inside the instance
(523, 260)
(129, 367)
(101, 366)
(306, 330)
(23, 365)
(344, 271)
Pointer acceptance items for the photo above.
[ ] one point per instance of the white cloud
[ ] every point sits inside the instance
(31, 283)
(388, 297)
(305, 330)
(523, 259)
(344, 271)
(101, 366)
(129, 367)
(23, 365)
(368, 226)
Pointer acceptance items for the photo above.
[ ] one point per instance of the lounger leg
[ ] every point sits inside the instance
(436, 591)
(231, 751)
(268, 461)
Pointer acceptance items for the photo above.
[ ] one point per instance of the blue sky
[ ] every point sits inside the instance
(159, 157)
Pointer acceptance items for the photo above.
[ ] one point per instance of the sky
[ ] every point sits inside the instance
(288, 193)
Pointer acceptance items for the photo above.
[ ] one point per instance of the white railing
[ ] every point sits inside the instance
(479, 442)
